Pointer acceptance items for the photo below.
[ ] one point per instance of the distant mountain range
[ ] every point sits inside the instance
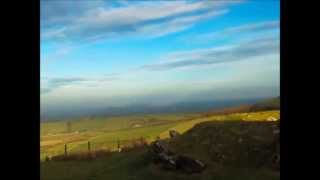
(210, 107)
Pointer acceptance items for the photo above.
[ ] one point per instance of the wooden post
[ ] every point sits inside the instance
(68, 126)
(89, 146)
(65, 150)
(141, 140)
(118, 145)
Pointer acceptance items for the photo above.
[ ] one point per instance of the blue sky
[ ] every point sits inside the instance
(124, 52)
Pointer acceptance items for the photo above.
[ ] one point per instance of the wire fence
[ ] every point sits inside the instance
(66, 149)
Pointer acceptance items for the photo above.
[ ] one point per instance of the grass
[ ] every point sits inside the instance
(256, 116)
(103, 133)
(215, 137)
(109, 123)
(236, 143)
(136, 165)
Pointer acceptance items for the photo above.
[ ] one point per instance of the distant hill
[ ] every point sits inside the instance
(139, 109)
(269, 104)
(264, 105)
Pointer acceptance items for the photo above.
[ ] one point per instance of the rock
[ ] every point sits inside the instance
(276, 132)
(169, 161)
(194, 135)
(206, 142)
(257, 138)
(189, 165)
(173, 133)
(157, 147)
(136, 125)
(271, 118)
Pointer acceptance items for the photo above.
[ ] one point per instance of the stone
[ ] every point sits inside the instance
(167, 161)
(276, 132)
(206, 142)
(271, 118)
(189, 165)
(170, 161)
(194, 135)
(157, 147)
(173, 133)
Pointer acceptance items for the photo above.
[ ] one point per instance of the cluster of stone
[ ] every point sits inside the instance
(170, 161)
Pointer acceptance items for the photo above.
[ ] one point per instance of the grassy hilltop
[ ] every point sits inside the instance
(235, 143)
(200, 135)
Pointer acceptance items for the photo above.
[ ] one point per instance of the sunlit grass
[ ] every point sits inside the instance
(104, 133)
(200, 136)
(255, 116)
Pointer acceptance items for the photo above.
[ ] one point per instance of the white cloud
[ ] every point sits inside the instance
(236, 31)
(140, 19)
(51, 84)
(218, 55)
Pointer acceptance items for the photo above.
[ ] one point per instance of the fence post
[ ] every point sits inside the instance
(89, 146)
(65, 150)
(118, 145)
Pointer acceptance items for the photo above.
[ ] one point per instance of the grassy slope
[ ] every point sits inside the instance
(103, 132)
(256, 116)
(136, 165)
(242, 143)
(225, 129)
(264, 105)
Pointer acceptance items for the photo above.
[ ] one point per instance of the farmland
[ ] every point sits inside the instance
(103, 133)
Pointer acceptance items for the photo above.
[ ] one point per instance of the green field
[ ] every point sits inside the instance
(103, 133)
(195, 129)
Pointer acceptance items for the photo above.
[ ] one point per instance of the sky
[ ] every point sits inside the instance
(118, 53)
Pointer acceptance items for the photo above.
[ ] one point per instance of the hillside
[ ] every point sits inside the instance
(268, 104)
(235, 146)
(104, 132)
(263, 105)
(233, 143)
